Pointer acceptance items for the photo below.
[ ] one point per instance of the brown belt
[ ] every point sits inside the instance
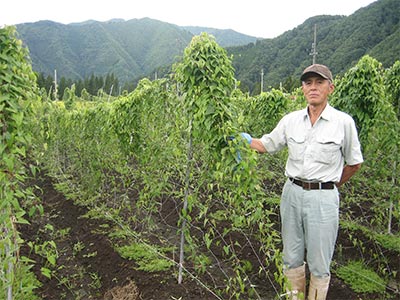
(314, 185)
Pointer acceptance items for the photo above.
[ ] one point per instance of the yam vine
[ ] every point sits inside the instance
(162, 163)
(17, 94)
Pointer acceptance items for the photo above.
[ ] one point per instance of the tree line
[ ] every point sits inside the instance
(87, 87)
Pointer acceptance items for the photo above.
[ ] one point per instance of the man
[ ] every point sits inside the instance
(324, 153)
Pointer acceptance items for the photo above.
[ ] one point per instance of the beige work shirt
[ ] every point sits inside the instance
(319, 152)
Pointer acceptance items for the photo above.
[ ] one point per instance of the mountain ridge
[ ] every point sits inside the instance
(136, 48)
(132, 48)
(341, 42)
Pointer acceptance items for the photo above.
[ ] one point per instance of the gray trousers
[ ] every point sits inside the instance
(310, 221)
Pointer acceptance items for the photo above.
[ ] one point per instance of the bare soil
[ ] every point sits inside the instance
(89, 268)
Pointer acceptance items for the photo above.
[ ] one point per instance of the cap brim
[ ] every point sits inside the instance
(311, 73)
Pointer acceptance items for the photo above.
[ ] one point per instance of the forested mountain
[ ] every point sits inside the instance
(128, 49)
(224, 37)
(341, 42)
(136, 48)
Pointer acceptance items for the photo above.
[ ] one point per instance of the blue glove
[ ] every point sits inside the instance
(247, 137)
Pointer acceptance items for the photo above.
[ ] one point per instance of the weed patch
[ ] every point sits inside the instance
(147, 258)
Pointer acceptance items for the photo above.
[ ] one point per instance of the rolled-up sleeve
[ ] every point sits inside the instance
(276, 139)
(352, 148)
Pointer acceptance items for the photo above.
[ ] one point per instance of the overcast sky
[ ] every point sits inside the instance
(260, 18)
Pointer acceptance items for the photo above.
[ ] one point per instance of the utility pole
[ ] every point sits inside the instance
(55, 85)
(109, 95)
(314, 45)
(262, 81)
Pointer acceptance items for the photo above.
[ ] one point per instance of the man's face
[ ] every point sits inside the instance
(316, 89)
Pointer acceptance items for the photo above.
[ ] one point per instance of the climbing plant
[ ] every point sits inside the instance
(168, 165)
(17, 93)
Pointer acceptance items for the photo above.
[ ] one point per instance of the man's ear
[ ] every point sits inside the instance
(331, 87)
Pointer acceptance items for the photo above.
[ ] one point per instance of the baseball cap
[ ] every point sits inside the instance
(321, 70)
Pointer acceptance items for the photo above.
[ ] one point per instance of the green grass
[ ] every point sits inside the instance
(147, 257)
(360, 278)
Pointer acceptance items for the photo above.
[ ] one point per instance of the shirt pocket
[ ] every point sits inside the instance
(296, 147)
(327, 150)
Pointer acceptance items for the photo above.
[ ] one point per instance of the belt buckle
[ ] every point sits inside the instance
(306, 185)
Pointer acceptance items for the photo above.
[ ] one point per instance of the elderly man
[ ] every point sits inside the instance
(324, 153)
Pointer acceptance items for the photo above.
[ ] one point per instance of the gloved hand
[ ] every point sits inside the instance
(247, 137)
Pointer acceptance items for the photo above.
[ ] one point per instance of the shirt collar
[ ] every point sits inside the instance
(326, 113)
